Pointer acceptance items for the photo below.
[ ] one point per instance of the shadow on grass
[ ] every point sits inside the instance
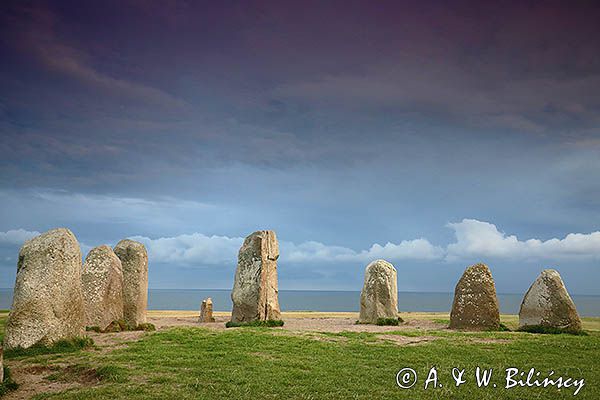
(62, 346)
(383, 322)
(550, 330)
(8, 385)
(121, 326)
(270, 323)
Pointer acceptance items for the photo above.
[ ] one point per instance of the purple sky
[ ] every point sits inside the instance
(457, 132)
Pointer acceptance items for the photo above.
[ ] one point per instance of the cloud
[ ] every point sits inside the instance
(418, 249)
(37, 33)
(483, 240)
(17, 236)
(200, 249)
(192, 249)
(474, 240)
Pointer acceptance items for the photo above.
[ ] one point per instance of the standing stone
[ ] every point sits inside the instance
(48, 300)
(475, 304)
(548, 304)
(255, 292)
(1, 365)
(379, 296)
(102, 279)
(206, 311)
(134, 260)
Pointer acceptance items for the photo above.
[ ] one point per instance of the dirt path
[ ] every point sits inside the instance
(294, 321)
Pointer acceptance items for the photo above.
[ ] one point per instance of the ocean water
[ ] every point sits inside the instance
(313, 300)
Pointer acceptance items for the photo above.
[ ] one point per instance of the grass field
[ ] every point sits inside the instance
(271, 363)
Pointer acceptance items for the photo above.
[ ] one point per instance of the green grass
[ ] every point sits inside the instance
(197, 363)
(89, 374)
(113, 373)
(270, 323)
(62, 346)
(147, 327)
(383, 322)
(551, 330)
(121, 326)
(189, 363)
(389, 321)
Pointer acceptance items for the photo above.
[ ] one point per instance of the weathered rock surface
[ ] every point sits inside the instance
(134, 260)
(379, 296)
(547, 303)
(206, 311)
(1, 364)
(48, 300)
(102, 279)
(475, 304)
(255, 291)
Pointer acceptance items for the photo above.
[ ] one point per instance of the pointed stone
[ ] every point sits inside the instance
(134, 260)
(206, 311)
(475, 304)
(548, 304)
(379, 296)
(48, 300)
(255, 291)
(102, 280)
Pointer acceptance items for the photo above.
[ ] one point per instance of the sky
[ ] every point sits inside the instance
(434, 135)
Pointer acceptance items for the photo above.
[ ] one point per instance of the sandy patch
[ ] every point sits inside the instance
(407, 340)
(31, 381)
(294, 321)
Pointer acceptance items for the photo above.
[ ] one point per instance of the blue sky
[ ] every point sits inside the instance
(433, 135)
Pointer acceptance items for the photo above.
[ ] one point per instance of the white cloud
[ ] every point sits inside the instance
(481, 239)
(17, 236)
(199, 249)
(418, 249)
(195, 248)
(475, 240)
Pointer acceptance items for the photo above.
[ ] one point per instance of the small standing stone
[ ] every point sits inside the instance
(134, 260)
(379, 296)
(48, 299)
(475, 304)
(206, 311)
(255, 291)
(548, 304)
(102, 279)
(1, 365)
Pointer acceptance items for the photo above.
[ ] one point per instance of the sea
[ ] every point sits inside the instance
(317, 300)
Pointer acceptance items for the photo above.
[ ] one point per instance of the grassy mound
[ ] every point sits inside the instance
(88, 374)
(384, 322)
(121, 326)
(549, 330)
(389, 321)
(270, 323)
(8, 384)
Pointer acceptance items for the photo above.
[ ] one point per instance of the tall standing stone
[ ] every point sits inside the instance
(206, 311)
(255, 291)
(1, 364)
(134, 260)
(48, 300)
(548, 304)
(475, 304)
(379, 296)
(102, 279)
